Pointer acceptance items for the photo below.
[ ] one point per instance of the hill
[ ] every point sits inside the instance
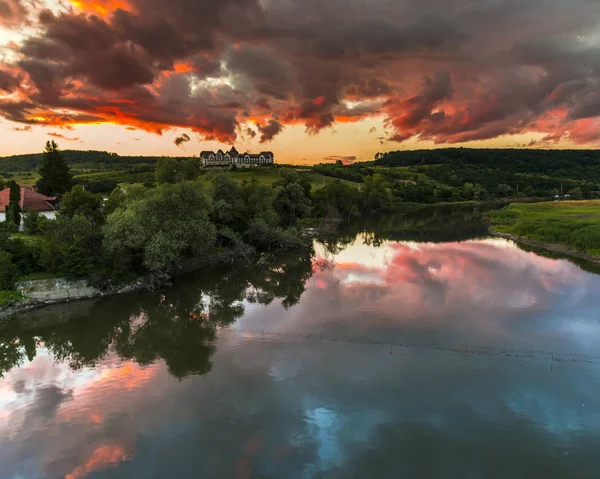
(574, 164)
(91, 159)
(99, 167)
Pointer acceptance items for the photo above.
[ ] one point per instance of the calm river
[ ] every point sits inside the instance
(414, 347)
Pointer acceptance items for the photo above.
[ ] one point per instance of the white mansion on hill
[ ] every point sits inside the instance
(232, 157)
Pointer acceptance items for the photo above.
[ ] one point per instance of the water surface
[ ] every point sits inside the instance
(405, 350)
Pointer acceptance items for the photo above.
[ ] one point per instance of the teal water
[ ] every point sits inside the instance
(401, 349)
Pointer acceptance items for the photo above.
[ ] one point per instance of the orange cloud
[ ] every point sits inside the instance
(101, 458)
(99, 7)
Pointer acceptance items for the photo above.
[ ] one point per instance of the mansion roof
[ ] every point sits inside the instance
(234, 153)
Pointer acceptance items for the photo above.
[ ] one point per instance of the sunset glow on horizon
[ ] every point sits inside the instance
(309, 80)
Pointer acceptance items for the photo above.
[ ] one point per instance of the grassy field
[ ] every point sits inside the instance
(572, 224)
(23, 178)
(129, 177)
(270, 176)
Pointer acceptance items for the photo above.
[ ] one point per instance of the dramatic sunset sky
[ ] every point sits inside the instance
(307, 79)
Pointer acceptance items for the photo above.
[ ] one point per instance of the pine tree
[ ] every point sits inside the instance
(13, 209)
(56, 178)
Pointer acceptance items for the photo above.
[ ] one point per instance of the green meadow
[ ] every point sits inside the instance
(573, 224)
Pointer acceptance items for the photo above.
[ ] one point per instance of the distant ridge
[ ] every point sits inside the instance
(32, 161)
(579, 164)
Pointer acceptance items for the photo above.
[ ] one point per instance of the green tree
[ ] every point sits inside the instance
(292, 203)
(116, 199)
(8, 271)
(168, 224)
(4, 237)
(376, 193)
(228, 203)
(34, 223)
(79, 201)
(503, 190)
(56, 178)
(258, 200)
(173, 170)
(575, 193)
(289, 176)
(13, 209)
(338, 200)
(74, 247)
(166, 170)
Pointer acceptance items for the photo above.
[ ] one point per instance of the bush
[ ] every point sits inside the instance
(25, 256)
(74, 247)
(164, 225)
(31, 223)
(8, 271)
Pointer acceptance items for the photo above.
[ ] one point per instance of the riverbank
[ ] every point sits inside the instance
(567, 227)
(553, 248)
(149, 282)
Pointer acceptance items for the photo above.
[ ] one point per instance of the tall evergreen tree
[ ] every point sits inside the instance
(13, 209)
(56, 178)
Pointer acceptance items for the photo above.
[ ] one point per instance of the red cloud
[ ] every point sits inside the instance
(446, 78)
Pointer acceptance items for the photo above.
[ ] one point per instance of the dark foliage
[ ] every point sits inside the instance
(56, 178)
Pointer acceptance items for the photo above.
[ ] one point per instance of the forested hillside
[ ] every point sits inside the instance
(575, 164)
(92, 160)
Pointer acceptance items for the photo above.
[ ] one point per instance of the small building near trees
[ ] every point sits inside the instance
(31, 201)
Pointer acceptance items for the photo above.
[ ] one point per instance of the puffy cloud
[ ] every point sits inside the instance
(464, 71)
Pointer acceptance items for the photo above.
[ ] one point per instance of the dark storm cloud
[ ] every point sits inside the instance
(8, 81)
(180, 140)
(269, 130)
(265, 71)
(462, 71)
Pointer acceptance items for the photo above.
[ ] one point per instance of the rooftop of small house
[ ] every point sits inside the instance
(31, 200)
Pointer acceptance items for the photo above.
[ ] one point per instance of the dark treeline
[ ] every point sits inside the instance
(92, 159)
(446, 175)
(506, 172)
(577, 164)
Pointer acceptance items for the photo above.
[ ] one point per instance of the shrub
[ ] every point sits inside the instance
(8, 271)
(31, 222)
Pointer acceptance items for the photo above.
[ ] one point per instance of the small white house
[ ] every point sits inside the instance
(31, 201)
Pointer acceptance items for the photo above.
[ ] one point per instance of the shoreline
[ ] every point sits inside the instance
(551, 247)
(150, 282)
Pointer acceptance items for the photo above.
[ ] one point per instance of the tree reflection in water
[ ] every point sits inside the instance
(178, 325)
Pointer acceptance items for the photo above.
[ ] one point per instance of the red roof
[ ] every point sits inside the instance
(31, 200)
